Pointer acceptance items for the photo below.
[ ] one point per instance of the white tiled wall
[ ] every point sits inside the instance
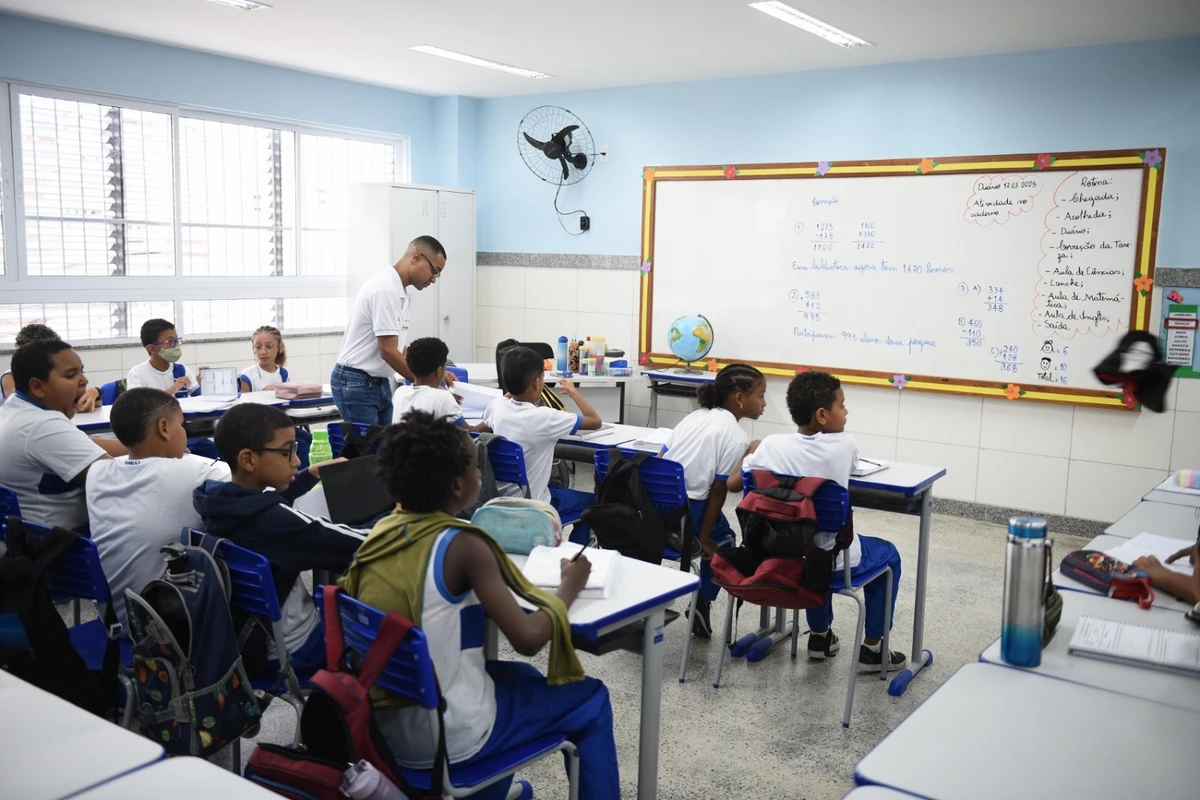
(1081, 462)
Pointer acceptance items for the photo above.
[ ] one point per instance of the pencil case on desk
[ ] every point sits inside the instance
(1189, 478)
(296, 390)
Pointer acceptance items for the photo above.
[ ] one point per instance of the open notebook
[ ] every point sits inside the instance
(603, 430)
(1137, 645)
(868, 466)
(1150, 544)
(543, 568)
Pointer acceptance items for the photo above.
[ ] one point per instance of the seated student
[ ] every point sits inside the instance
(269, 357)
(447, 577)
(44, 458)
(1185, 587)
(710, 445)
(821, 449)
(537, 429)
(35, 332)
(427, 360)
(254, 510)
(163, 370)
(139, 504)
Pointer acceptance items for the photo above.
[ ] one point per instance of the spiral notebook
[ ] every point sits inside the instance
(1137, 645)
(543, 568)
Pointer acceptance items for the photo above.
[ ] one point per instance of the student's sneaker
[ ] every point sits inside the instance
(701, 624)
(869, 660)
(520, 790)
(822, 645)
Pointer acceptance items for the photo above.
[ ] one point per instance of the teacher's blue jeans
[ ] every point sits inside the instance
(360, 397)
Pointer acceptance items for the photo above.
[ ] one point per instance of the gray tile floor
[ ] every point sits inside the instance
(773, 729)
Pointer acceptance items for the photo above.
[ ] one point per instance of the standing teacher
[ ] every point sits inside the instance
(377, 333)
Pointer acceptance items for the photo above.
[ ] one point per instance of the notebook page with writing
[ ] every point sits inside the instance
(1137, 645)
(1149, 544)
(543, 568)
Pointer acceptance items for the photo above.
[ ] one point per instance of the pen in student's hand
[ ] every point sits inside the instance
(577, 555)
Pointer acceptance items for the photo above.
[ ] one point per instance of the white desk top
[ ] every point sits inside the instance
(907, 479)
(1175, 498)
(50, 748)
(876, 793)
(1163, 519)
(991, 733)
(484, 373)
(619, 434)
(1148, 684)
(673, 375)
(98, 420)
(640, 587)
(1103, 543)
(184, 778)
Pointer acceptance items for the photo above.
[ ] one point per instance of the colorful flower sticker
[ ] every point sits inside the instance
(1174, 296)
(644, 360)
(801, 370)
(730, 170)
(1128, 399)
(823, 167)
(926, 166)
(1152, 159)
(1143, 284)
(648, 173)
(1043, 161)
(1012, 391)
(711, 364)
(646, 266)
(899, 381)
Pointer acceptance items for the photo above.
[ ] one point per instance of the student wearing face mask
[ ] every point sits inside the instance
(163, 369)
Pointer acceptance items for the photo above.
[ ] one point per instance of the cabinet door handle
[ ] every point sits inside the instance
(446, 319)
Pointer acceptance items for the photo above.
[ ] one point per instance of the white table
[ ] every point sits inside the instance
(1163, 519)
(605, 392)
(876, 793)
(642, 591)
(618, 435)
(1160, 495)
(51, 749)
(1147, 684)
(672, 383)
(991, 733)
(1103, 543)
(183, 778)
(200, 414)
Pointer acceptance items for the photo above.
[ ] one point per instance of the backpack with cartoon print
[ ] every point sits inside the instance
(193, 696)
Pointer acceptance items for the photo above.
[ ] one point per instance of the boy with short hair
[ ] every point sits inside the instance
(141, 503)
(427, 360)
(254, 510)
(519, 418)
(163, 370)
(44, 458)
(822, 449)
(33, 332)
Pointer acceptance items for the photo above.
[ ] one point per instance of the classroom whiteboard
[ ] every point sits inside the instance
(1002, 275)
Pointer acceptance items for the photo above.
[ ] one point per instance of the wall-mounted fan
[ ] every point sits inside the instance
(557, 147)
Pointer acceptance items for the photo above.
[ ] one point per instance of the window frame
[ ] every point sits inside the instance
(20, 287)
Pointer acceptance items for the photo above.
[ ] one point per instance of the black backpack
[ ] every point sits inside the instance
(623, 517)
(356, 444)
(487, 476)
(34, 642)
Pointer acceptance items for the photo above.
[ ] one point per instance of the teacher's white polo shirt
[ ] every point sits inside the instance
(380, 309)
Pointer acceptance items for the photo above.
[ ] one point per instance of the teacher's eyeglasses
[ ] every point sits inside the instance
(435, 271)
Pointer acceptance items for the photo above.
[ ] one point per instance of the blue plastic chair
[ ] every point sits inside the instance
(9, 507)
(252, 591)
(205, 448)
(832, 505)
(458, 372)
(410, 674)
(508, 466)
(109, 392)
(337, 439)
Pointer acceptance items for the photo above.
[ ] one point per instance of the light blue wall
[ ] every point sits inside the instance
(456, 121)
(1121, 96)
(55, 55)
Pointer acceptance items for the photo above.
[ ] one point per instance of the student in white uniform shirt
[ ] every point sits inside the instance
(44, 458)
(163, 369)
(427, 361)
(537, 429)
(377, 331)
(270, 356)
(140, 503)
(822, 449)
(710, 444)
(31, 333)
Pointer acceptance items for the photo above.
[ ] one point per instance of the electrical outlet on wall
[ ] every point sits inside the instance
(603, 153)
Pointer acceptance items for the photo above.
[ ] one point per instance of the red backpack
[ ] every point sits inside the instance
(779, 563)
(336, 726)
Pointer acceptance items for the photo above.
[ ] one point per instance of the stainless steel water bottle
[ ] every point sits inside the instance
(1024, 592)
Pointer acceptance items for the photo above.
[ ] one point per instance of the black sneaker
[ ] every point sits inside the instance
(869, 660)
(701, 624)
(822, 645)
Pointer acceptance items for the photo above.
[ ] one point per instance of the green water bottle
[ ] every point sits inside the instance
(320, 450)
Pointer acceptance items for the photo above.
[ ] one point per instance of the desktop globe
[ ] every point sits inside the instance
(690, 338)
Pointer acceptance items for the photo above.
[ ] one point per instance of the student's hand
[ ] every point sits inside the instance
(315, 469)
(708, 545)
(199, 373)
(89, 401)
(575, 574)
(753, 446)
(1150, 565)
(179, 385)
(1193, 551)
(567, 387)
(450, 379)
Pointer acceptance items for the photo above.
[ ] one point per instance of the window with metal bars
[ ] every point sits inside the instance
(76, 322)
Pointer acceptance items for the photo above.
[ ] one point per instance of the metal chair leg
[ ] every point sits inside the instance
(572, 772)
(795, 630)
(858, 641)
(726, 640)
(235, 764)
(885, 662)
(687, 637)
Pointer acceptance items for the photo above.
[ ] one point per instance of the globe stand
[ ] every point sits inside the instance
(688, 369)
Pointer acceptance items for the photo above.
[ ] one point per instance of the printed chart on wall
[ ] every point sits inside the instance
(1010, 276)
(1179, 326)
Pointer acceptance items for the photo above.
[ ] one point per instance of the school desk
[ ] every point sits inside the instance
(672, 383)
(606, 393)
(876, 793)
(1175, 498)
(1162, 600)
(992, 733)
(183, 778)
(1143, 682)
(200, 416)
(50, 748)
(640, 592)
(1163, 519)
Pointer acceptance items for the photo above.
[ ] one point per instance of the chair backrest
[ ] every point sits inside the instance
(77, 572)
(109, 392)
(662, 478)
(458, 372)
(252, 587)
(205, 448)
(831, 501)
(543, 350)
(508, 461)
(9, 507)
(409, 672)
(337, 439)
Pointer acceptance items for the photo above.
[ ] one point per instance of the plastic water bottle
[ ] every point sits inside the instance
(364, 782)
(562, 354)
(320, 450)
(1024, 592)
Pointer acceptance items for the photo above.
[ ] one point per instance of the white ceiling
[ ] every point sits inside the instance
(609, 42)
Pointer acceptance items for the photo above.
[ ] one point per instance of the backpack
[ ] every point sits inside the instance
(487, 476)
(34, 642)
(337, 729)
(193, 695)
(1105, 574)
(779, 563)
(623, 518)
(520, 525)
(356, 444)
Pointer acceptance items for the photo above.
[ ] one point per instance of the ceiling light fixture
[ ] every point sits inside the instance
(478, 62)
(244, 5)
(785, 13)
